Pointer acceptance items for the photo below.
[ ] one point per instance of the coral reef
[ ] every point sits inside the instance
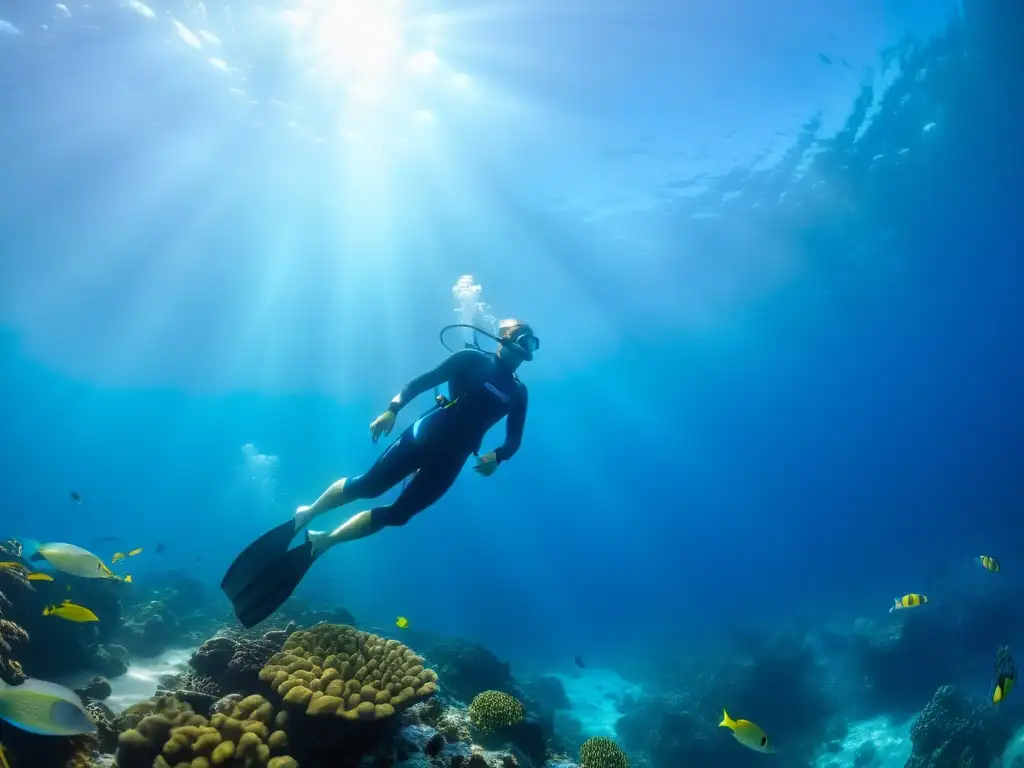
(495, 710)
(952, 731)
(602, 752)
(338, 670)
(11, 633)
(172, 734)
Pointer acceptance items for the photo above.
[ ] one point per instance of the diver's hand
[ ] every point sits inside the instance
(486, 464)
(382, 426)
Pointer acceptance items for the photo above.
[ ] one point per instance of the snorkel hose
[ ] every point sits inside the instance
(475, 343)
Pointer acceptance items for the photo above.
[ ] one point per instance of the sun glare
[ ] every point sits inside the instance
(361, 39)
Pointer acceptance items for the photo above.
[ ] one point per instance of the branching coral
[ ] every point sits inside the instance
(10, 633)
(334, 670)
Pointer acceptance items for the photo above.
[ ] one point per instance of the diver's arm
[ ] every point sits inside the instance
(452, 365)
(514, 425)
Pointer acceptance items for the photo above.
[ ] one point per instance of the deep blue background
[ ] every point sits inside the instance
(794, 410)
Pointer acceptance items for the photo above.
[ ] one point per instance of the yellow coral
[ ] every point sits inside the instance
(338, 670)
(174, 736)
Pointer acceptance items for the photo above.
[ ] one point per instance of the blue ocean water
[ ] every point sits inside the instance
(771, 250)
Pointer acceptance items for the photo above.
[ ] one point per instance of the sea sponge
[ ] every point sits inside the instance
(602, 752)
(245, 738)
(336, 670)
(494, 710)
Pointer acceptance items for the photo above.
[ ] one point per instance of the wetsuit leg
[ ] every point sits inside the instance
(401, 459)
(429, 484)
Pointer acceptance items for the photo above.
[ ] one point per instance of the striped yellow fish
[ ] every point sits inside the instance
(989, 563)
(911, 600)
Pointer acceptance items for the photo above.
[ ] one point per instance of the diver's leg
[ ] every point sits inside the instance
(399, 460)
(427, 486)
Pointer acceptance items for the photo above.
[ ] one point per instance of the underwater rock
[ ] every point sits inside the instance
(547, 691)
(151, 630)
(233, 664)
(954, 731)
(466, 669)
(106, 724)
(108, 660)
(98, 688)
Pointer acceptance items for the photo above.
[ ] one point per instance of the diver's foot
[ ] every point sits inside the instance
(303, 516)
(319, 542)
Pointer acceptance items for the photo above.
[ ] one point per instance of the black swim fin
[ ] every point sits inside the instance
(255, 558)
(268, 591)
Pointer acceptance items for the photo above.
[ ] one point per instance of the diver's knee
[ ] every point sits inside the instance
(389, 517)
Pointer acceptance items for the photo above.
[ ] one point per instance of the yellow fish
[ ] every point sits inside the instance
(3, 758)
(401, 622)
(68, 610)
(989, 563)
(119, 556)
(747, 733)
(12, 566)
(908, 601)
(1006, 674)
(127, 579)
(39, 577)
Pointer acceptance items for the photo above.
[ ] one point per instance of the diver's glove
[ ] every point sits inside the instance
(486, 464)
(382, 425)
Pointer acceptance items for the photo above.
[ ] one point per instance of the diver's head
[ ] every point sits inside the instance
(518, 342)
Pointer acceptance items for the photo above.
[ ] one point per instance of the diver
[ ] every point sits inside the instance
(483, 388)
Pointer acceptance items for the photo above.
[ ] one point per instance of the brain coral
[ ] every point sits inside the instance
(602, 752)
(337, 670)
(492, 710)
(175, 736)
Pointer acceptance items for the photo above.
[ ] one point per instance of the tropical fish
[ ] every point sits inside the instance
(401, 622)
(68, 610)
(911, 600)
(73, 560)
(127, 579)
(119, 556)
(989, 563)
(579, 662)
(39, 577)
(11, 566)
(3, 758)
(45, 709)
(76, 497)
(747, 733)
(1006, 674)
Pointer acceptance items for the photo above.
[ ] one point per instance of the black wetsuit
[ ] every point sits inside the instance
(481, 391)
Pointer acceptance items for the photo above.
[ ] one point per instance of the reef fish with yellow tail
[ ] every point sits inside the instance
(119, 556)
(1006, 674)
(73, 560)
(908, 601)
(71, 612)
(747, 733)
(989, 563)
(45, 709)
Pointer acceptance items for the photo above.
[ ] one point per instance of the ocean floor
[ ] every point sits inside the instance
(594, 694)
(878, 743)
(140, 681)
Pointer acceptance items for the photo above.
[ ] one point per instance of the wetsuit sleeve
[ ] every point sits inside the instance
(513, 429)
(455, 364)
